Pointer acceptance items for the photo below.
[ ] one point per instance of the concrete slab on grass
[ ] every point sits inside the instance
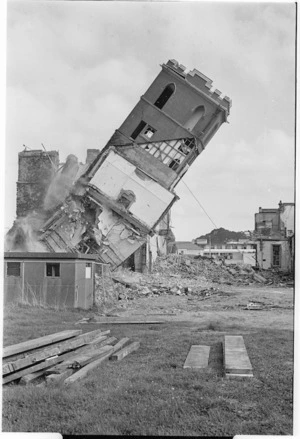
(197, 357)
(236, 360)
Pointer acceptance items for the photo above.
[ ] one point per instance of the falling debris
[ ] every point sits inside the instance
(112, 205)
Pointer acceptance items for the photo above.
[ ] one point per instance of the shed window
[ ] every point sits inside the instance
(52, 270)
(88, 270)
(13, 269)
(164, 96)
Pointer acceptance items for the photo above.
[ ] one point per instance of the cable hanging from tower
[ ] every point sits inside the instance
(199, 204)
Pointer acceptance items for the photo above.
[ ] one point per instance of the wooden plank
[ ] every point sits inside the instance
(65, 364)
(86, 369)
(43, 365)
(91, 347)
(197, 357)
(84, 359)
(102, 333)
(120, 343)
(58, 378)
(236, 359)
(7, 368)
(129, 321)
(125, 351)
(95, 342)
(96, 332)
(52, 350)
(26, 379)
(38, 342)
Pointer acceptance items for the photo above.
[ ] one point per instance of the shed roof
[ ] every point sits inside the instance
(48, 255)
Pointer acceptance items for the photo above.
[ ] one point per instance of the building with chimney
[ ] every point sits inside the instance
(275, 236)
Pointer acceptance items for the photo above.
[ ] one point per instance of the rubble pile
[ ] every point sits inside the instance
(106, 291)
(277, 278)
(210, 270)
(184, 275)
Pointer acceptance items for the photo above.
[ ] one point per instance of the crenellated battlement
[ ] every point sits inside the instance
(200, 81)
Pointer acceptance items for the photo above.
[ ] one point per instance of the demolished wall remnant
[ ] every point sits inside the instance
(35, 172)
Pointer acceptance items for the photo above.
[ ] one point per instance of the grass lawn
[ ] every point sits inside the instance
(149, 392)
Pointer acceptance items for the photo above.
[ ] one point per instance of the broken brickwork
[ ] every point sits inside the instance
(36, 170)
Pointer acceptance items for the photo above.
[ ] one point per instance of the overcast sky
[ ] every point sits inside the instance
(76, 69)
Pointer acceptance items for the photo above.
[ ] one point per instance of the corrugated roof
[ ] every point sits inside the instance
(46, 255)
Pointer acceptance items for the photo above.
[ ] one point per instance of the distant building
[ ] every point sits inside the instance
(275, 237)
(187, 248)
(231, 252)
(201, 242)
(232, 256)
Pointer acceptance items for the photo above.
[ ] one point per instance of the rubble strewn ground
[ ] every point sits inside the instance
(149, 392)
(194, 305)
(183, 275)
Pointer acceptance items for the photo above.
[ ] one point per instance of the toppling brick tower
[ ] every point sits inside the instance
(119, 198)
(173, 122)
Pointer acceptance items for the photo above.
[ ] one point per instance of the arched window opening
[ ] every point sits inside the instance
(165, 96)
(138, 129)
(196, 116)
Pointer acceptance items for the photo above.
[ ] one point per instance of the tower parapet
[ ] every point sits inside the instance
(200, 81)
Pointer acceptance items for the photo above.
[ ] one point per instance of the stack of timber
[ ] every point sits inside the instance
(63, 357)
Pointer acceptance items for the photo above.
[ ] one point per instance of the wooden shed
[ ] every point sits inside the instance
(53, 279)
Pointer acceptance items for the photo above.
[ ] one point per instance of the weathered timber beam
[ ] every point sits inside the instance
(86, 369)
(120, 343)
(43, 365)
(125, 351)
(38, 342)
(127, 321)
(89, 348)
(58, 378)
(84, 359)
(27, 379)
(50, 351)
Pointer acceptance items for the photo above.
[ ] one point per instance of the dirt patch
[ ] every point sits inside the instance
(223, 310)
